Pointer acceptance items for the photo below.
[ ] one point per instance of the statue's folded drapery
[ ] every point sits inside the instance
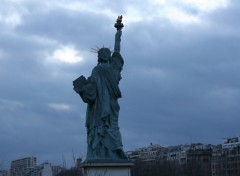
(101, 92)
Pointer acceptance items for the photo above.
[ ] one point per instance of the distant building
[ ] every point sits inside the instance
(147, 156)
(47, 169)
(22, 166)
(174, 157)
(226, 158)
(56, 170)
(149, 153)
(199, 161)
(27, 167)
(174, 153)
(79, 162)
(231, 142)
(44, 169)
(4, 173)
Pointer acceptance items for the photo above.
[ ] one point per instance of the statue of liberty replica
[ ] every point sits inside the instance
(101, 92)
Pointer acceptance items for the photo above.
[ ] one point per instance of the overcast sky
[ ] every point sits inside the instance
(181, 78)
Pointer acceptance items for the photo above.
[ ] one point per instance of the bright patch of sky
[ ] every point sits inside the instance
(206, 5)
(172, 10)
(59, 106)
(67, 54)
(13, 19)
(180, 16)
(176, 11)
(11, 13)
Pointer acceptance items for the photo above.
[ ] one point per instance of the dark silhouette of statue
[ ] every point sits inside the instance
(101, 92)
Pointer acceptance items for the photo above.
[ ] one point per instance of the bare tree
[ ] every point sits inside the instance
(74, 159)
(64, 161)
(1, 164)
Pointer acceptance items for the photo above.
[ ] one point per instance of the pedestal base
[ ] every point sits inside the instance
(106, 169)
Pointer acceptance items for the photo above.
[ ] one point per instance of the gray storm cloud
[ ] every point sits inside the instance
(180, 79)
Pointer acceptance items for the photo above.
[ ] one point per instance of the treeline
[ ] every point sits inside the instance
(158, 168)
(170, 168)
(70, 172)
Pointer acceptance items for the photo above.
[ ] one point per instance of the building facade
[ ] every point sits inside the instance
(44, 169)
(4, 173)
(22, 166)
(172, 160)
(56, 170)
(226, 158)
(199, 161)
(147, 157)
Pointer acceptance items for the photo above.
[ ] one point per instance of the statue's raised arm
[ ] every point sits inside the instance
(118, 25)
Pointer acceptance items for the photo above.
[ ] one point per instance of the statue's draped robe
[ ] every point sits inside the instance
(101, 92)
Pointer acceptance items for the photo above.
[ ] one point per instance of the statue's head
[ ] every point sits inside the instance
(104, 55)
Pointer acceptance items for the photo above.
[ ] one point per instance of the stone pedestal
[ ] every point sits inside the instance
(107, 169)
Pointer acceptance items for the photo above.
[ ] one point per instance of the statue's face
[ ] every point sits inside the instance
(104, 54)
